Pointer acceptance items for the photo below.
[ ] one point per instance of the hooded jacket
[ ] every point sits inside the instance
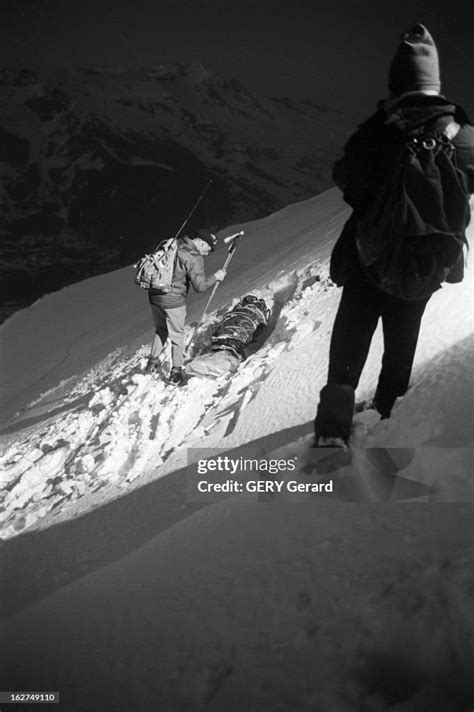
(188, 270)
(367, 159)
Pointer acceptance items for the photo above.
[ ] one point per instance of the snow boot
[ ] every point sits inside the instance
(330, 441)
(327, 456)
(176, 377)
(153, 364)
(332, 425)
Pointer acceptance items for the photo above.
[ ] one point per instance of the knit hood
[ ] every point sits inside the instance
(415, 66)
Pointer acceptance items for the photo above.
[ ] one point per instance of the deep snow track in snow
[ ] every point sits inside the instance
(90, 438)
(128, 422)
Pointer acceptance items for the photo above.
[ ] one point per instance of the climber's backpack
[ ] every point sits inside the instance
(155, 271)
(413, 233)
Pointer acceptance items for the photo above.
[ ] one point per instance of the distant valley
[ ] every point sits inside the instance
(97, 166)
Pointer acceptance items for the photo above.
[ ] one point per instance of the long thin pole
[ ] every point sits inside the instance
(193, 208)
(214, 289)
(232, 249)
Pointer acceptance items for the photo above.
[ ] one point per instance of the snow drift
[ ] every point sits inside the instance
(165, 601)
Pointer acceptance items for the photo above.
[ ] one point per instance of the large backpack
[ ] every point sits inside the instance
(155, 271)
(413, 233)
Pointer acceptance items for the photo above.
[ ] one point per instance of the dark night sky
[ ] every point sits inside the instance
(336, 53)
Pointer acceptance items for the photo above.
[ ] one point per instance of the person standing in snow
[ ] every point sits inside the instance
(415, 100)
(169, 309)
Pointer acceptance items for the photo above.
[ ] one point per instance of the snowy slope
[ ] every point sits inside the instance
(115, 425)
(127, 593)
(72, 330)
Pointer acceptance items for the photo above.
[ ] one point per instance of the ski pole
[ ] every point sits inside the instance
(190, 212)
(232, 249)
(233, 239)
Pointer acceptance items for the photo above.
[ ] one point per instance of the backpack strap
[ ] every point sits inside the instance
(451, 130)
(441, 119)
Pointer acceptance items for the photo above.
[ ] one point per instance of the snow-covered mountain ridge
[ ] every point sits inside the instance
(97, 166)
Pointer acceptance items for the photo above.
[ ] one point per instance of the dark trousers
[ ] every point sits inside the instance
(361, 306)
